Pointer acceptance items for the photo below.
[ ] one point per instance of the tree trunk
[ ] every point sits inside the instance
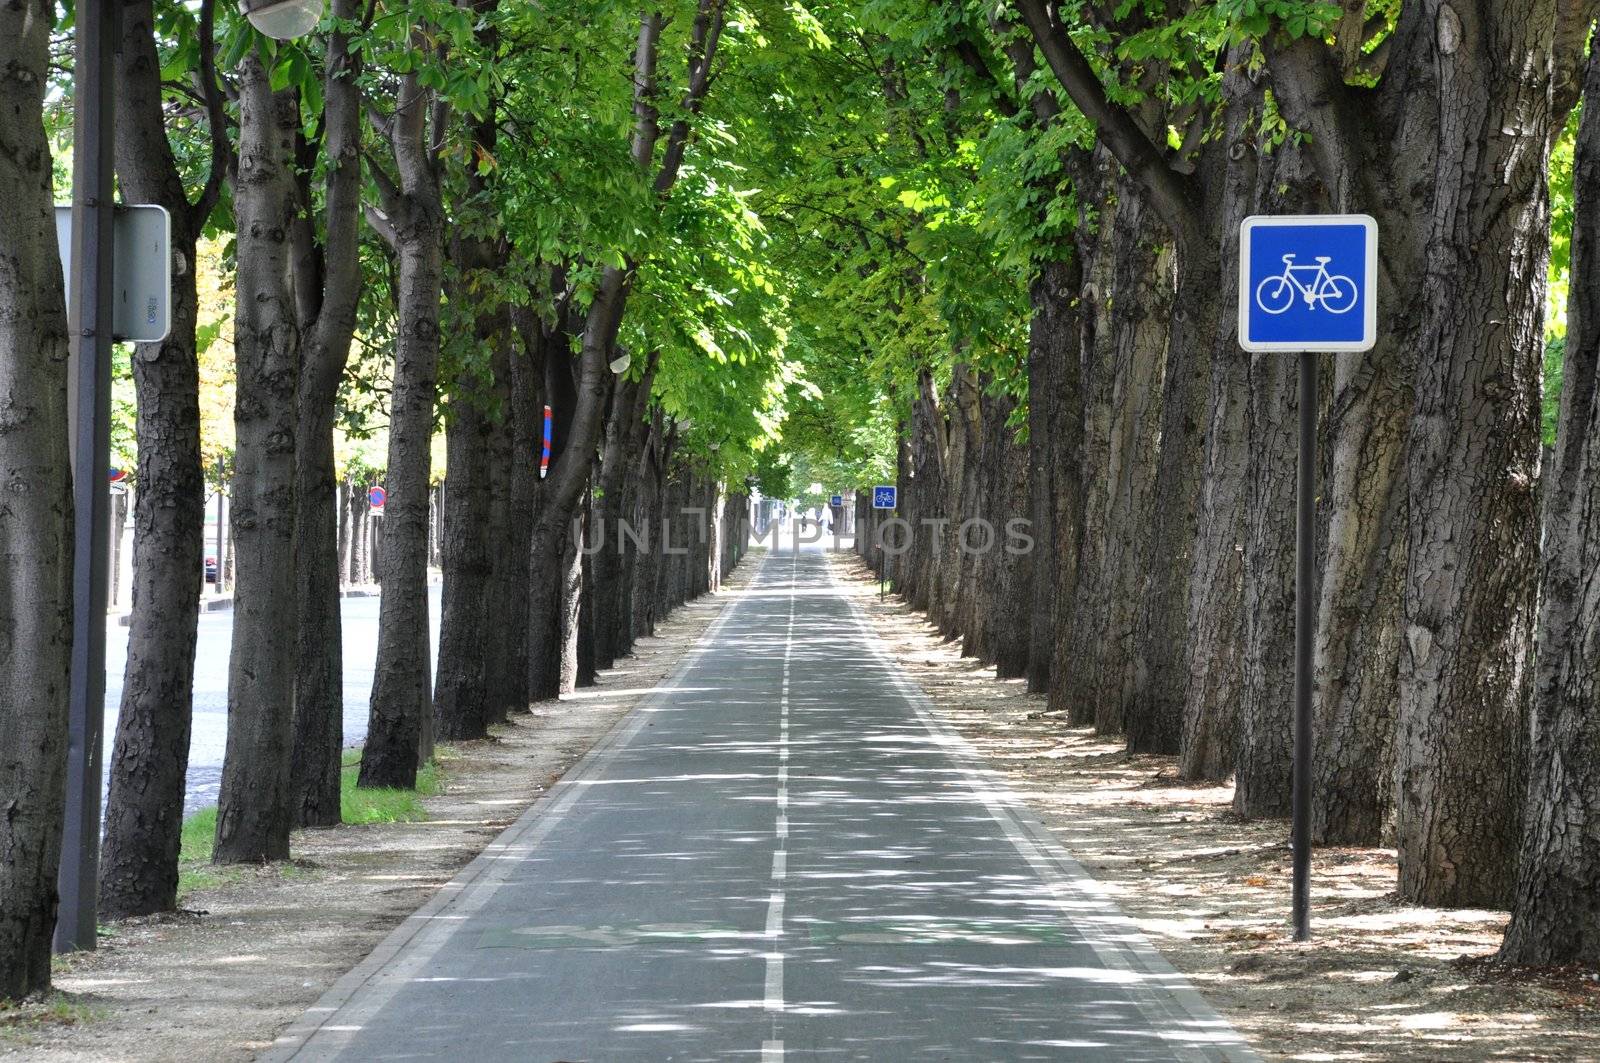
(347, 509)
(253, 808)
(978, 638)
(460, 697)
(652, 476)
(150, 756)
(401, 721)
(926, 497)
(1153, 718)
(1083, 337)
(1216, 629)
(1055, 429)
(400, 695)
(1555, 917)
(1010, 617)
(584, 653)
(36, 521)
(119, 527)
(570, 581)
(551, 559)
(624, 437)
(526, 376)
(944, 597)
(361, 513)
(1140, 322)
(503, 626)
(1472, 463)
(330, 287)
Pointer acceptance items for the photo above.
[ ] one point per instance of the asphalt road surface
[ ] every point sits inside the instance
(779, 854)
(213, 644)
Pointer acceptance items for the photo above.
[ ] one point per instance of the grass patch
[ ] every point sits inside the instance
(379, 804)
(20, 1019)
(199, 840)
(356, 805)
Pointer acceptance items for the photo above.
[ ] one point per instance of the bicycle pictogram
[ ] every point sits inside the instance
(1334, 291)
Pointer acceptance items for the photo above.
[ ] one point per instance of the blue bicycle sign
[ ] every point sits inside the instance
(883, 496)
(1308, 283)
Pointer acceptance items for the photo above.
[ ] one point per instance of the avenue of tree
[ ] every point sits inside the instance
(983, 249)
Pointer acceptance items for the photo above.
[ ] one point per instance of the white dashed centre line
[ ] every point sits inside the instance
(772, 1051)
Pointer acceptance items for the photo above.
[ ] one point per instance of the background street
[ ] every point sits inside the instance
(215, 637)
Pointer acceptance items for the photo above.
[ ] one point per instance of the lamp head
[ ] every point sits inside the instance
(283, 19)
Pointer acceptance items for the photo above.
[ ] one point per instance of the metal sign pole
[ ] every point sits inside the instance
(1307, 284)
(90, 324)
(1304, 630)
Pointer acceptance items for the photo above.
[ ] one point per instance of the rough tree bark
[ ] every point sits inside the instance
(510, 470)
(981, 560)
(460, 695)
(1082, 325)
(150, 755)
(476, 404)
(1555, 916)
(1055, 439)
(1214, 686)
(328, 288)
(1473, 460)
(1012, 622)
(1187, 204)
(253, 807)
(36, 519)
(1470, 89)
(413, 224)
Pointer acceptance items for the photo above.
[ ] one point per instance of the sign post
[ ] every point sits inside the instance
(884, 496)
(1307, 285)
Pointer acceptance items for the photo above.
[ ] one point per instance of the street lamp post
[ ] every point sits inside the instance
(89, 375)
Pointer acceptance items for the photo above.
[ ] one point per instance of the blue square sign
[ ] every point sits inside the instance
(883, 497)
(1308, 283)
(836, 500)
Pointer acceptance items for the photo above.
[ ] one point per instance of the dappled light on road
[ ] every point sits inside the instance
(780, 852)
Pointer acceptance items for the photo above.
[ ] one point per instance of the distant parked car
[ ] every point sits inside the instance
(211, 570)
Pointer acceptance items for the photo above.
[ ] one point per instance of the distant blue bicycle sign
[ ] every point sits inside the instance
(883, 497)
(1308, 283)
(836, 500)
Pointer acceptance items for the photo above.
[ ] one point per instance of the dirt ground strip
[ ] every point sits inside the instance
(1381, 980)
(219, 981)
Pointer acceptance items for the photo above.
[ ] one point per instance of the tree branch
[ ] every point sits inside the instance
(222, 158)
(702, 52)
(1311, 93)
(380, 223)
(1574, 22)
(1171, 193)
